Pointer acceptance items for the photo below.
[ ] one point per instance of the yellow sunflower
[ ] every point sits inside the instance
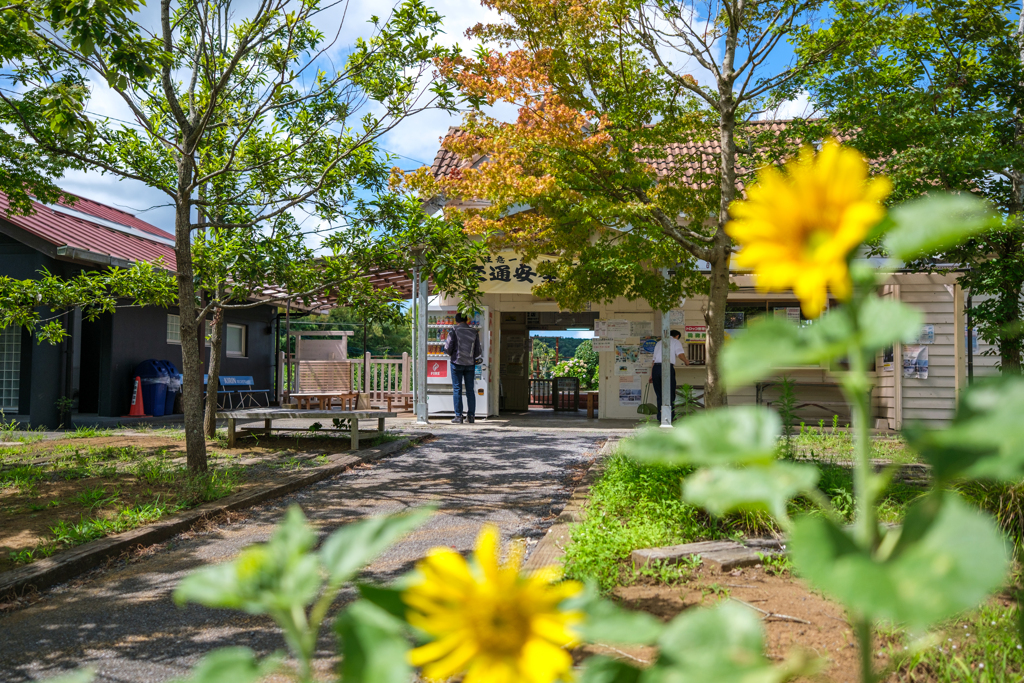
(797, 229)
(488, 620)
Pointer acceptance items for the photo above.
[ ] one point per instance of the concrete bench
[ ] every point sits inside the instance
(268, 415)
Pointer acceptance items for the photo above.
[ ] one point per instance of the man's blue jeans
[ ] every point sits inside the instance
(460, 374)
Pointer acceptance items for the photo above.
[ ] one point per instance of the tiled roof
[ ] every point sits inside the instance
(109, 235)
(694, 156)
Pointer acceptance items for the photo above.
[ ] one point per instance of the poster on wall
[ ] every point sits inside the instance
(887, 360)
(696, 333)
(624, 369)
(927, 335)
(915, 362)
(791, 313)
(971, 338)
(627, 353)
(641, 328)
(642, 372)
(611, 329)
(603, 345)
(630, 393)
(647, 344)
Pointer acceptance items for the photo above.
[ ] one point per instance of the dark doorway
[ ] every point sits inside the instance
(89, 377)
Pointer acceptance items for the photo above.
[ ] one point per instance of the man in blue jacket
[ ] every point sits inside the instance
(463, 346)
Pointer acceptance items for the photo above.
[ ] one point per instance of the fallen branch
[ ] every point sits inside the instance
(772, 615)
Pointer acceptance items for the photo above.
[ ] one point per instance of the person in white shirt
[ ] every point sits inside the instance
(676, 353)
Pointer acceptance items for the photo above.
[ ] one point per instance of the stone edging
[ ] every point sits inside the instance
(50, 571)
(552, 547)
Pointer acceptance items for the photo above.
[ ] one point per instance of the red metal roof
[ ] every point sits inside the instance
(117, 215)
(76, 231)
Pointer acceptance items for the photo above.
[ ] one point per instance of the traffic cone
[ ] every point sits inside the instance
(137, 410)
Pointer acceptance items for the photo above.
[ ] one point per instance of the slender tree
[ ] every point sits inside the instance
(242, 125)
(935, 92)
(604, 88)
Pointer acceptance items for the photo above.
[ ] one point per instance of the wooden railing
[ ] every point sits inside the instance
(385, 380)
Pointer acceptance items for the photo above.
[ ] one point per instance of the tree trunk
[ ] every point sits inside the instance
(1010, 341)
(191, 326)
(213, 377)
(714, 318)
(721, 253)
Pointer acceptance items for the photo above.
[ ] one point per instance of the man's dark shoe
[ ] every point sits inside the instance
(471, 419)
(457, 420)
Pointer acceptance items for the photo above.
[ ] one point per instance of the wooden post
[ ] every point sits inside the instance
(590, 405)
(405, 372)
(231, 432)
(353, 431)
(366, 372)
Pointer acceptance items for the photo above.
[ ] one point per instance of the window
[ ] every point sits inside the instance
(174, 329)
(10, 367)
(234, 340)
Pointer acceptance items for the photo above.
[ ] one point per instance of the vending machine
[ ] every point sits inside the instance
(440, 320)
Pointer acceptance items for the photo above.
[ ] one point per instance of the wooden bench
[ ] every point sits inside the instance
(325, 399)
(268, 415)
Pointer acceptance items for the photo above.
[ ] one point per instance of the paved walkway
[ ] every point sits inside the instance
(123, 623)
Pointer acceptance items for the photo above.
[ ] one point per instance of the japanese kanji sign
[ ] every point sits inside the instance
(507, 273)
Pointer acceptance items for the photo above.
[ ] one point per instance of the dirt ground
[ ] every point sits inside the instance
(785, 602)
(46, 482)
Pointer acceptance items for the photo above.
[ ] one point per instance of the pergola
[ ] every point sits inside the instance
(411, 286)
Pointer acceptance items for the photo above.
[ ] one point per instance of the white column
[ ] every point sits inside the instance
(666, 368)
(421, 361)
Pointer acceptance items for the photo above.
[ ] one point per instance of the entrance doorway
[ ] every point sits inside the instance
(543, 367)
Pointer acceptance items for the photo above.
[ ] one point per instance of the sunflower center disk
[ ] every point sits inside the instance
(501, 626)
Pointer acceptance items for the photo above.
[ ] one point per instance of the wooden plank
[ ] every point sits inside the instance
(286, 414)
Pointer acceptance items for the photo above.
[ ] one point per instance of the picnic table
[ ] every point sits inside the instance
(268, 415)
(324, 399)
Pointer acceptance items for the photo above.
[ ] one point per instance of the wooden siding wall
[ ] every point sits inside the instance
(883, 396)
(932, 400)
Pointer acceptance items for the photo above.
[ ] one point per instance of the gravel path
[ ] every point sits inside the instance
(123, 623)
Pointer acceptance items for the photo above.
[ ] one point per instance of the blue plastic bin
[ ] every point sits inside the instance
(173, 386)
(155, 379)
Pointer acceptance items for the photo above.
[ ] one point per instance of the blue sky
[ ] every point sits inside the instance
(416, 139)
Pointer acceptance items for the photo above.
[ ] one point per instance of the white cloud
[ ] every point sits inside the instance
(798, 107)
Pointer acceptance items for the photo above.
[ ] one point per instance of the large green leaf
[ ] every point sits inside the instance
(929, 226)
(234, 664)
(738, 436)
(883, 322)
(723, 644)
(766, 487)
(374, 645)
(774, 343)
(350, 548)
(600, 669)
(957, 560)
(986, 438)
(264, 577)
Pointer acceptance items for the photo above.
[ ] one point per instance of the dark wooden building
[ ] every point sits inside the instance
(95, 365)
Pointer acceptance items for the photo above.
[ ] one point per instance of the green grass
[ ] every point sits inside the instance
(636, 506)
(82, 432)
(87, 529)
(982, 646)
(633, 506)
(831, 442)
